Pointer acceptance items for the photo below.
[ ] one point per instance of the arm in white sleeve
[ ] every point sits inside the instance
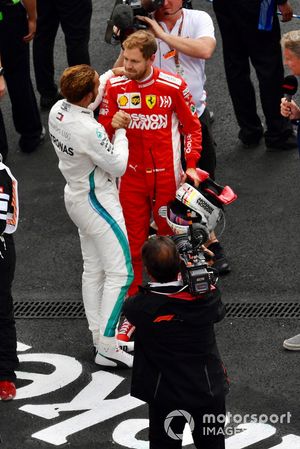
(103, 80)
(111, 157)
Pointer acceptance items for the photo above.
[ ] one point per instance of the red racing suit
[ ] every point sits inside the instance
(161, 108)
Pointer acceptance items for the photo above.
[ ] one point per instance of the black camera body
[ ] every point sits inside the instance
(194, 268)
(123, 17)
(123, 20)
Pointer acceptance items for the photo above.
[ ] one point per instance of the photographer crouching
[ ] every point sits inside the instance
(177, 368)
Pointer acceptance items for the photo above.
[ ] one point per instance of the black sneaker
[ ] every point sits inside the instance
(30, 144)
(289, 143)
(250, 140)
(221, 263)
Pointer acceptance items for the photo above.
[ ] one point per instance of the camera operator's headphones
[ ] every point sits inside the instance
(152, 5)
(198, 205)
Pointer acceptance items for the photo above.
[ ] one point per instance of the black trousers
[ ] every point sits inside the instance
(8, 341)
(15, 60)
(207, 161)
(74, 17)
(208, 156)
(242, 43)
(162, 432)
(3, 138)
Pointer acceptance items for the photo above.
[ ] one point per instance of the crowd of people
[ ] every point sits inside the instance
(123, 168)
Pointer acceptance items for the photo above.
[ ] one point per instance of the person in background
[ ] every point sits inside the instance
(9, 214)
(74, 16)
(250, 31)
(17, 29)
(90, 163)
(177, 366)
(3, 136)
(291, 54)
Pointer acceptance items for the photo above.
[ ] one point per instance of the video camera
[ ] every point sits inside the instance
(192, 216)
(123, 21)
(194, 267)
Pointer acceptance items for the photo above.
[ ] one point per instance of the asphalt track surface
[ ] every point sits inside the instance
(64, 399)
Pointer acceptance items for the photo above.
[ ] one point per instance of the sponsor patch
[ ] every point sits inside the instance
(129, 100)
(99, 134)
(193, 108)
(165, 102)
(150, 101)
(65, 134)
(153, 121)
(117, 79)
(65, 106)
(171, 78)
(60, 116)
(135, 99)
(188, 143)
(103, 111)
(61, 146)
(123, 101)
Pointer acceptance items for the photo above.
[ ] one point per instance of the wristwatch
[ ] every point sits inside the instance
(1, 71)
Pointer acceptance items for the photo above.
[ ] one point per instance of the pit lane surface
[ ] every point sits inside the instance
(64, 399)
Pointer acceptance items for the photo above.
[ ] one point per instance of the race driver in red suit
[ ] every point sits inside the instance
(161, 109)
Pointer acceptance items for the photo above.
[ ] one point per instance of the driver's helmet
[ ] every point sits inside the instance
(179, 217)
(197, 202)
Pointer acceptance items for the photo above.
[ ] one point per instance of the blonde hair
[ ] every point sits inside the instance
(76, 82)
(143, 40)
(291, 41)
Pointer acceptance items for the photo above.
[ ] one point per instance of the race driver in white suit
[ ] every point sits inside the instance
(90, 163)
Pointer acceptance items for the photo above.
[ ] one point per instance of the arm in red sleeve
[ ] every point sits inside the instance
(191, 127)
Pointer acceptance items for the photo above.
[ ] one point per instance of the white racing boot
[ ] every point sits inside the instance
(109, 353)
(127, 346)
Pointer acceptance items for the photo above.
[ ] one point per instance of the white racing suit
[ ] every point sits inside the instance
(90, 163)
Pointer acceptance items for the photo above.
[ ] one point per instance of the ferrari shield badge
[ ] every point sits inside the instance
(150, 101)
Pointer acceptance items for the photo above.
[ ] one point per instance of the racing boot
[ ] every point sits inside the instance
(127, 346)
(293, 343)
(125, 331)
(110, 354)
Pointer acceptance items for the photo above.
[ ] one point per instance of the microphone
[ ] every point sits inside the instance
(289, 87)
(122, 17)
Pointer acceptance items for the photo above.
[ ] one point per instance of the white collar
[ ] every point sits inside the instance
(166, 284)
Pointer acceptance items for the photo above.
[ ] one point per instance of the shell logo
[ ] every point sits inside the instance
(123, 100)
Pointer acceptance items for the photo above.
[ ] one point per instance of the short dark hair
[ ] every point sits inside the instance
(161, 258)
(77, 81)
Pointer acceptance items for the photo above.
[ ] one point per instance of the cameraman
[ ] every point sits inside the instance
(176, 365)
